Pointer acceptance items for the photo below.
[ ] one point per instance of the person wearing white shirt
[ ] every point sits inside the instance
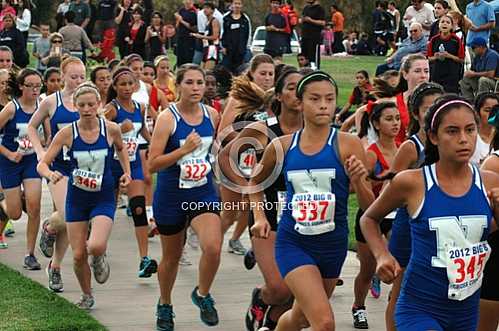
(23, 19)
(419, 12)
(202, 20)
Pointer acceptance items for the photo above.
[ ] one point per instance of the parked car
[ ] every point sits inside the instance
(258, 43)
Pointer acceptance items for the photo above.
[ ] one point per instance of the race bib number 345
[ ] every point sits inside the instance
(465, 269)
(313, 212)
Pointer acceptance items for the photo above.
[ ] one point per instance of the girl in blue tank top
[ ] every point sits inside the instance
(450, 220)
(18, 159)
(185, 193)
(58, 109)
(122, 110)
(320, 165)
(409, 156)
(91, 142)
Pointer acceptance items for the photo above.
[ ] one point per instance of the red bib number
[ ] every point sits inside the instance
(247, 161)
(25, 146)
(193, 173)
(465, 269)
(314, 212)
(87, 180)
(131, 144)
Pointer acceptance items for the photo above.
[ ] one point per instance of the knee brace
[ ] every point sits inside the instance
(138, 208)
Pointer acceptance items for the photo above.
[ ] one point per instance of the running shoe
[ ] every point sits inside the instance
(3, 244)
(122, 201)
(47, 240)
(55, 280)
(165, 316)
(184, 259)
(206, 306)
(249, 259)
(101, 268)
(86, 302)
(192, 238)
(339, 282)
(153, 229)
(31, 263)
(375, 287)
(359, 315)
(147, 267)
(236, 247)
(256, 311)
(9, 229)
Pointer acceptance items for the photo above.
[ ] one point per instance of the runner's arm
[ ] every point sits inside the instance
(62, 138)
(36, 120)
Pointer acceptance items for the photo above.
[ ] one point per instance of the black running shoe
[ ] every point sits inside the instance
(256, 311)
(206, 305)
(359, 315)
(249, 259)
(164, 317)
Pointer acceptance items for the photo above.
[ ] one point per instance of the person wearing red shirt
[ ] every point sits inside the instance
(338, 22)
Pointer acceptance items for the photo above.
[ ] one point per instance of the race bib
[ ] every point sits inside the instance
(247, 161)
(193, 172)
(87, 180)
(313, 212)
(281, 203)
(130, 144)
(25, 146)
(465, 269)
(149, 124)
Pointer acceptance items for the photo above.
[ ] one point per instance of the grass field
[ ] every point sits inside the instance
(27, 305)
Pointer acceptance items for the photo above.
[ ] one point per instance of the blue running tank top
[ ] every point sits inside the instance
(400, 240)
(449, 248)
(60, 119)
(317, 196)
(91, 162)
(15, 132)
(130, 138)
(191, 178)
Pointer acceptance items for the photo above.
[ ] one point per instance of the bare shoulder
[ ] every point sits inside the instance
(490, 179)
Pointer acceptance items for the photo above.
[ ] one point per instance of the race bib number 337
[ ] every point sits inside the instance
(314, 212)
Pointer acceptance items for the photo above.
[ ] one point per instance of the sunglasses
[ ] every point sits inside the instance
(413, 31)
(56, 41)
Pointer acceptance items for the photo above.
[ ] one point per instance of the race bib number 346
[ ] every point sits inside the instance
(87, 180)
(465, 269)
(313, 212)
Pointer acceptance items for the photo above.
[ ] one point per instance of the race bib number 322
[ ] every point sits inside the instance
(193, 173)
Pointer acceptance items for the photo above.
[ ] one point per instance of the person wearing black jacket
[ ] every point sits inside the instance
(313, 21)
(137, 35)
(105, 18)
(11, 37)
(123, 19)
(186, 20)
(235, 37)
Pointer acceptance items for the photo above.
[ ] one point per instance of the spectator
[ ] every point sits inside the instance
(358, 96)
(483, 21)
(123, 20)
(276, 38)
(382, 27)
(328, 39)
(313, 20)
(136, 36)
(23, 19)
(350, 43)
(56, 53)
(484, 70)
(41, 46)
(105, 18)
(165, 79)
(338, 25)
(441, 8)
(420, 13)
(363, 47)
(61, 11)
(156, 36)
(202, 24)
(446, 53)
(89, 29)
(392, 10)
(236, 36)
(211, 96)
(82, 13)
(186, 21)
(13, 38)
(302, 61)
(210, 39)
(6, 58)
(6, 9)
(289, 12)
(75, 39)
(416, 43)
